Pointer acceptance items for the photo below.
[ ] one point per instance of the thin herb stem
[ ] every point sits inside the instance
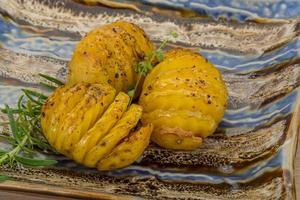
(26, 136)
(135, 87)
(146, 65)
(13, 152)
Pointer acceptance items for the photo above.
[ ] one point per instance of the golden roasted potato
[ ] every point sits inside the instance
(89, 123)
(108, 54)
(101, 127)
(185, 98)
(123, 154)
(114, 136)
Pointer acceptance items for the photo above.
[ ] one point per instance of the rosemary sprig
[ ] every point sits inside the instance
(145, 66)
(26, 138)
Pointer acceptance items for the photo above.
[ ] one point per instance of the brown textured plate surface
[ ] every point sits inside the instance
(256, 47)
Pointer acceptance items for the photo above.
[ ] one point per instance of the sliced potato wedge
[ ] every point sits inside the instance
(128, 151)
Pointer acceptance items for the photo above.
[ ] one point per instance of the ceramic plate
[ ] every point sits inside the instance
(254, 44)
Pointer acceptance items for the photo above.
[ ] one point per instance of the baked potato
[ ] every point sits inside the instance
(108, 54)
(92, 124)
(185, 98)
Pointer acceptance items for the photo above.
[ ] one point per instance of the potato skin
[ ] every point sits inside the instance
(185, 98)
(108, 54)
(87, 122)
(176, 138)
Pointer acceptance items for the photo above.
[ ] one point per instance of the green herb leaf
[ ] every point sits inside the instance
(131, 93)
(160, 55)
(146, 68)
(35, 162)
(35, 94)
(51, 79)
(50, 87)
(174, 34)
(20, 101)
(29, 96)
(146, 65)
(13, 124)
